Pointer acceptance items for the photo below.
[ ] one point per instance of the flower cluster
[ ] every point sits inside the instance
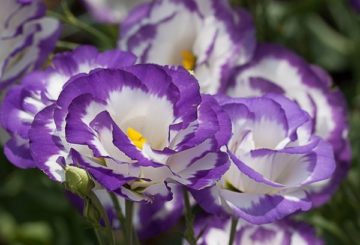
(190, 103)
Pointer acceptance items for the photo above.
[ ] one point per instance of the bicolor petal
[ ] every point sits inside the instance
(207, 38)
(27, 37)
(275, 159)
(143, 126)
(40, 89)
(274, 69)
(216, 230)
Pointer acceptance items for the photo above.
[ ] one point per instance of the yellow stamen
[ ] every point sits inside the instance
(136, 138)
(188, 60)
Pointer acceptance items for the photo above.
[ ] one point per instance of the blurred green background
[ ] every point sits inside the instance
(34, 210)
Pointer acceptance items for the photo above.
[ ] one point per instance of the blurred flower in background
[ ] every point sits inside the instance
(111, 11)
(215, 230)
(26, 38)
(355, 4)
(207, 38)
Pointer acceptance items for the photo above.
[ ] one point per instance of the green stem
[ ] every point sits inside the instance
(66, 45)
(71, 19)
(95, 200)
(189, 219)
(108, 227)
(136, 239)
(129, 208)
(98, 236)
(264, 20)
(234, 222)
(120, 214)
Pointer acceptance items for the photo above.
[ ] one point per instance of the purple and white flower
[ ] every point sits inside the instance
(42, 88)
(26, 38)
(274, 156)
(277, 70)
(207, 37)
(134, 130)
(215, 231)
(111, 11)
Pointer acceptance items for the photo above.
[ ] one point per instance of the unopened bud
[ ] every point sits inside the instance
(78, 181)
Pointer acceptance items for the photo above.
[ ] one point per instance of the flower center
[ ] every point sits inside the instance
(188, 60)
(136, 138)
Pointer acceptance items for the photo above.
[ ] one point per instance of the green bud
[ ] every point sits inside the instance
(78, 181)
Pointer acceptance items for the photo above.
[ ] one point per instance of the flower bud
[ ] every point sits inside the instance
(78, 181)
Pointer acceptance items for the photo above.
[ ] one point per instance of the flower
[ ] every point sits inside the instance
(111, 11)
(41, 88)
(134, 130)
(215, 230)
(26, 38)
(274, 158)
(206, 37)
(277, 70)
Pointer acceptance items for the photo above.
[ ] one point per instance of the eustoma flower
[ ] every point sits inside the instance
(214, 231)
(277, 70)
(26, 37)
(41, 88)
(206, 37)
(275, 157)
(134, 130)
(112, 11)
